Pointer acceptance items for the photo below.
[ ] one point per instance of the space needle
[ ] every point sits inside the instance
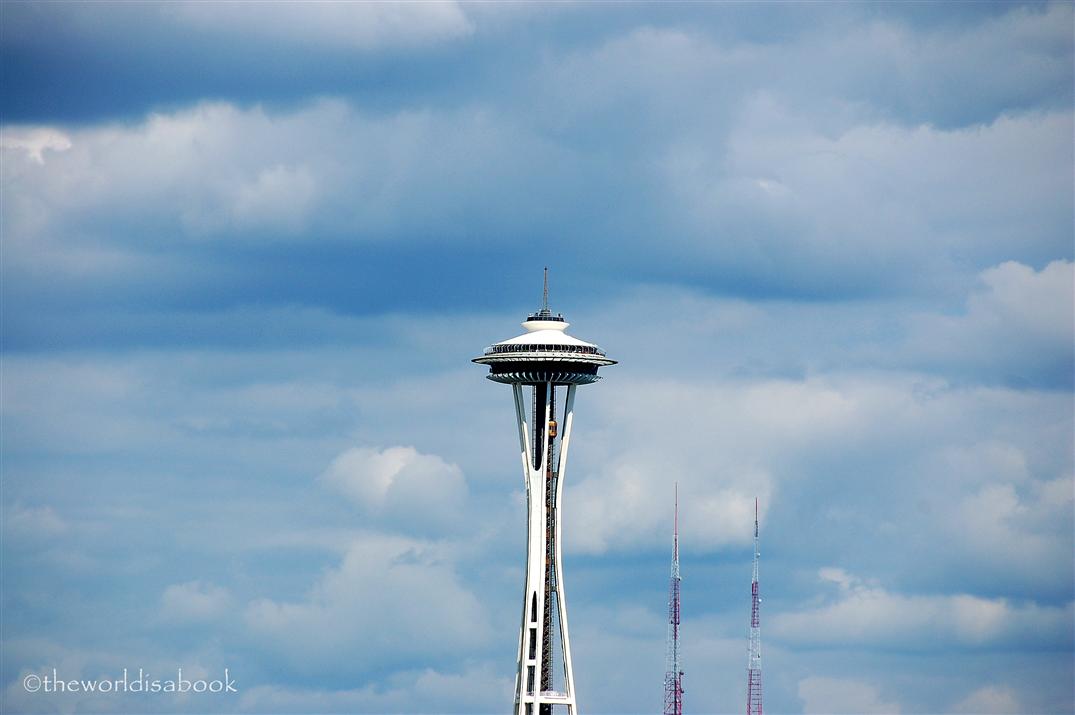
(549, 362)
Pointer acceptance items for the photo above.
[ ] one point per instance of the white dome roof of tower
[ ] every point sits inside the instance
(544, 353)
(545, 332)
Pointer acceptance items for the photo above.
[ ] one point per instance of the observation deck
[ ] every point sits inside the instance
(544, 353)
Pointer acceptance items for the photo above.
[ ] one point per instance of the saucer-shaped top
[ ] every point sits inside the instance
(544, 353)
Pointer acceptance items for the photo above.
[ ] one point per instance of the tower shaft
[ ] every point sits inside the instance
(673, 675)
(754, 706)
(545, 676)
(537, 364)
(545, 440)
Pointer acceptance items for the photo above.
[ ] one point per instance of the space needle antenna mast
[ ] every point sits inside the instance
(540, 364)
(673, 675)
(754, 658)
(545, 292)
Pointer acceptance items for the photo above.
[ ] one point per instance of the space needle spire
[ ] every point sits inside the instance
(540, 364)
(545, 292)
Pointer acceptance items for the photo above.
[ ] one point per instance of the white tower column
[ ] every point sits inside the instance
(541, 681)
(544, 360)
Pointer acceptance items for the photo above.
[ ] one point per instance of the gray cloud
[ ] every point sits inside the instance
(360, 26)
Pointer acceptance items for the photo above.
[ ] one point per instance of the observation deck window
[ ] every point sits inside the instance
(543, 347)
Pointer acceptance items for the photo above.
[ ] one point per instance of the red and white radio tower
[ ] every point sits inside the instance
(673, 675)
(754, 660)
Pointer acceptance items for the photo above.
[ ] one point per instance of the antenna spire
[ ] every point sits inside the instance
(673, 675)
(545, 293)
(675, 524)
(754, 657)
(545, 315)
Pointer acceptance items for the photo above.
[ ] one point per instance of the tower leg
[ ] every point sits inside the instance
(540, 683)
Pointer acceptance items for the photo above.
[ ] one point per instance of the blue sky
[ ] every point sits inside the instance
(249, 250)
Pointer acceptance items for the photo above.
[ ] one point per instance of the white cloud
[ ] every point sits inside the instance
(1019, 325)
(990, 699)
(42, 400)
(35, 141)
(728, 440)
(33, 522)
(985, 462)
(194, 601)
(774, 199)
(874, 201)
(828, 64)
(1015, 526)
(867, 614)
(279, 195)
(216, 170)
(628, 505)
(1039, 303)
(836, 575)
(391, 600)
(829, 696)
(400, 487)
(725, 442)
(796, 170)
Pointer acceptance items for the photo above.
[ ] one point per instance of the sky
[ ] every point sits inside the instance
(248, 251)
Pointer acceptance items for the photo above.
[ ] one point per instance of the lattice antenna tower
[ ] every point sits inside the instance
(754, 657)
(673, 675)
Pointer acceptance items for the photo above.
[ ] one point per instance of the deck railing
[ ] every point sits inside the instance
(543, 348)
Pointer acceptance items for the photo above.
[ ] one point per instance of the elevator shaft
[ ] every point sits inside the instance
(544, 403)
